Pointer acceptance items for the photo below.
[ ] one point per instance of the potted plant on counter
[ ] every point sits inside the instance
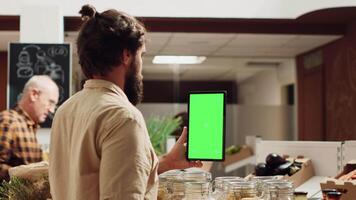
(159, 128)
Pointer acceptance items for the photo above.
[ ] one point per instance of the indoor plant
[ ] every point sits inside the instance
(159, 128)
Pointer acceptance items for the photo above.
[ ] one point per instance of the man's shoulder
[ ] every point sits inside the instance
(9, 116)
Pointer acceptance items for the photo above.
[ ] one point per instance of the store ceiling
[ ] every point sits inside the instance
(227, 54)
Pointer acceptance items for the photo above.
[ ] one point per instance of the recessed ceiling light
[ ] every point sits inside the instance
(178, 59)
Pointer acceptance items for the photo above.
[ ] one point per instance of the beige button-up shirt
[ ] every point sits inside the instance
(100, 148)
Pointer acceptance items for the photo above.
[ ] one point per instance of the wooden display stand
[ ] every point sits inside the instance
(244, 153)
(304, 174)
(348, 188)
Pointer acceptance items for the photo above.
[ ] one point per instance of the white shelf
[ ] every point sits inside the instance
(239, 164)
(312, 186)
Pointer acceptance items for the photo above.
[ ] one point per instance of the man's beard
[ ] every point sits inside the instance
(133, 85)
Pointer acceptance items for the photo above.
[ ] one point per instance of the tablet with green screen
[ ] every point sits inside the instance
(206, 126)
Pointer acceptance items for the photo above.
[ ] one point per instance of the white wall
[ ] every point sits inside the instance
(269, 122)
(286, 73)
(187, 8)
(260, 89)
(265, 87)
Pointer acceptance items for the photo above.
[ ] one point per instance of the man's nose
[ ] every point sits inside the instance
(52, 109)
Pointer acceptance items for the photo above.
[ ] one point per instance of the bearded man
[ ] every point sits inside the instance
(100, 148)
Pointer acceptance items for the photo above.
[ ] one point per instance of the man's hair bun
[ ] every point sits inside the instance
(87, 11)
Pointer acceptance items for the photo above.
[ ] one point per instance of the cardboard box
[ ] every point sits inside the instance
(304, 174)
(301, 176)
(348, 188)
(244, 153)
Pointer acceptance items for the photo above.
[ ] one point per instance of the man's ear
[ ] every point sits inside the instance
(34, 94)
(126, 57)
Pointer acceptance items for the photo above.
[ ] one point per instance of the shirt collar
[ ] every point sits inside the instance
(99, 83)
(27, 117)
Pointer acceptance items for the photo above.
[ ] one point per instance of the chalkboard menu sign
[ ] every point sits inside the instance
(26, 60)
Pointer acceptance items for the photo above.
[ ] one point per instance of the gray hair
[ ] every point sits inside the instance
(41, 82)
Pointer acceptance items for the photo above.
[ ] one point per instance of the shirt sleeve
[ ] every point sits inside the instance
(125, 162)
(5, 150)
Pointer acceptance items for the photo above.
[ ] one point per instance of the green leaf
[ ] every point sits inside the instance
(23, 189)
(159, 128)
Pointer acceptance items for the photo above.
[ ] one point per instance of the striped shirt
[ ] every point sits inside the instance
(18, 142)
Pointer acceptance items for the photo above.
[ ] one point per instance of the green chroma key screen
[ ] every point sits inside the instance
(206, 127)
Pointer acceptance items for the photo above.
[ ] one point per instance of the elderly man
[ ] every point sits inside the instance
(18, 143)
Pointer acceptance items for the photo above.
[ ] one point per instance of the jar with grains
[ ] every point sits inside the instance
(166, 180)
(176, 190)
(241, 190)
(198, 190)
(261, 185)
(220, 186)
(279, 190)
(162, 189)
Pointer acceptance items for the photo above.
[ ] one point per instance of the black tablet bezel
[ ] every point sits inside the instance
(224, 125)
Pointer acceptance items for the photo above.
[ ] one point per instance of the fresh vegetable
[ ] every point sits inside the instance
(232, 149)
(277, 165)
(262, 169)
(274, 160)
(282, 169)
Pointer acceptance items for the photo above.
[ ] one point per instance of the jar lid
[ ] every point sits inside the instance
(328, 190)
(300, 193)
(241, 184)
(263, 178)
(196, 175)
(171, 174)
(334, 194)
(279, 184)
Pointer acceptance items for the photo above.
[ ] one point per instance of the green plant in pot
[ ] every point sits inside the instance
(159, 128)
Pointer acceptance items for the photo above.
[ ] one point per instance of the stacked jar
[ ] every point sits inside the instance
(167, 183)
(197, 184)
(241, 190)
(261, 183)
(185, 185)
(279, 190)
(220, 186)
(198, 190)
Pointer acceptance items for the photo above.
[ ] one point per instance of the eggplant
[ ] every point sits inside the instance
(282, 169)
(262, 169)
(274, 160)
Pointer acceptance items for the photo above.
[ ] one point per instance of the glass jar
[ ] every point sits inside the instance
(194, 174)
(176, 190)
(279, 190)
(169, 185)
(239, 190)
(261, 185)
(220, 186)
(175, 184)
(197, 190)
(162, 189)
